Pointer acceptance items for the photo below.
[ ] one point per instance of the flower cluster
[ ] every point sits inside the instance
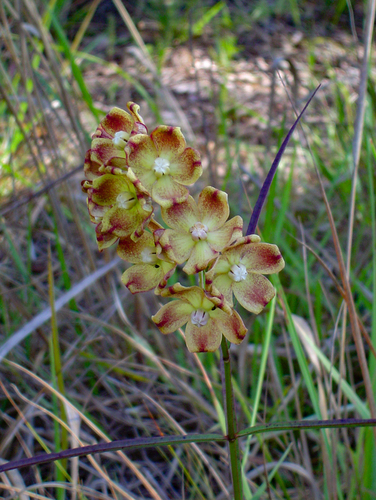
(128, 170)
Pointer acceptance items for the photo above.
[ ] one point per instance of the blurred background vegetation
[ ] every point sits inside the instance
(232, 75)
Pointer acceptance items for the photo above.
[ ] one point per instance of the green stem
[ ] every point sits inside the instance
(231, 425)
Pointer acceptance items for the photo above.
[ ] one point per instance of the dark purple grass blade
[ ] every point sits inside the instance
(269, 178)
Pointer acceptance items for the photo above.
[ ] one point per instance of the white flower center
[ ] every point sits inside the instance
(120, 138)
(238, 272)
(161, 167)
(126, 200)
(149, 255)
(199, 317)
(199, 231)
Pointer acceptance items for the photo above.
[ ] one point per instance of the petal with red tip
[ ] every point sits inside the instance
(202, 338)
(181, 216)
(107, 188)
(187, 167)
(169, 142)
(172, 316)
(230, 325)
(177, 246)
(199, 258)
(254, 293)
(115, 121)
(229, 232)
(166, 192)
(262, 258)
(142, 277)
(104, 152)
(141, 251)
(213, 208)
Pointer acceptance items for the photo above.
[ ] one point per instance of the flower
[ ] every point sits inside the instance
(150, 270)
(119, 204)
(199, 231)
(110, 139)
(120, 125)
(163, 164)
(240, 270)
(206, 314)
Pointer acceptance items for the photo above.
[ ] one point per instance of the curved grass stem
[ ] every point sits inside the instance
(231, 425)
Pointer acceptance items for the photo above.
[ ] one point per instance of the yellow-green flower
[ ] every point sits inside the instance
(119, 204)
(239, 270)
(149, 270)
(164, 164)
(199, 231)
(206, 315)
(110, 139)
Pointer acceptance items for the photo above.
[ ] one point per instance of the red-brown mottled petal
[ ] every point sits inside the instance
(181, 216)
(224, 284)
(123, 222)
(203, 338)
(187, 168)
(142, 277)
(262, 258)
(199, 258)
(172, 316)
(228, 232)
(106, 189)
(254, 293)
(141, 155)
(166, 192)
(91, 167)
(169, 142)
(193, 294)
(115, 121)
(231, 325)
(139, 126)
(213, 208)
(104, 240)
(137, 252)
(177, 245)
(104, 152)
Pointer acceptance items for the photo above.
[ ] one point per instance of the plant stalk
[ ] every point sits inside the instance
(231, 425)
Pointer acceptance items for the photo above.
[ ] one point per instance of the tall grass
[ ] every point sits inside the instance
(92, 367)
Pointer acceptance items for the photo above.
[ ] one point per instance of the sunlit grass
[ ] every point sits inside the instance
(119, 377)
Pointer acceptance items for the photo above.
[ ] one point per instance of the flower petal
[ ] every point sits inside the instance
(107, 188)
(223, 283)
(200, 257)
(115, 121)
(172, 316)
(181, 216)
(124, 222)
(254, 293)
(169, 142)
(231, 325)
(104, 151)
(104, 240)
(262, 258)
(192, 294)
(142, 277)
(141, 155)
(177, 246)
(137, 252)
(203, 338)
(187, 168)
(139, 126)
(229, 232)
(166, 192)
(91, 167)
(213, 208)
